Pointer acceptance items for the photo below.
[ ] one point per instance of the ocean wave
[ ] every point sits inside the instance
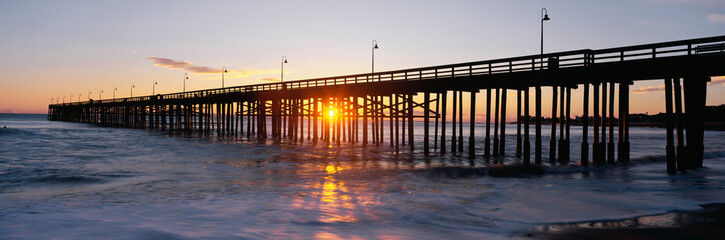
(24, 176)
(498, 170)
(16, 132)
(73, 179)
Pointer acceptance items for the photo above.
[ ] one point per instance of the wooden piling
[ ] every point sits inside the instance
(487, 140)
(596, 147)
(603, 135)
(552, 140)
(454, 143)
(670, 147)
(584, 161)
(610, 145)
(537, 141)
(518, 123)
(695, 99)
(564, 157)
(495, 125)
(443, 121)
(410, 122)
(502, 140)
(527, 117)
(680, 149)
(472, 127)
(365, 121)
(426, 122)
(460, 121)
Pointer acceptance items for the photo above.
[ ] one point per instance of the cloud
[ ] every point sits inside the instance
(646, 21)
(717, 80)
(170, 63)
(716, 18)
(660, 88)
(270, 79)
(188, 66)
(7, 110)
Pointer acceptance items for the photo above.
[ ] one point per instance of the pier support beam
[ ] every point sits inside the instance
(502, 141)
(527, 117)
(670, 147)
(426, 122)
(596, 147)
(495, 124)
(454, 145)
(460, 121)
(603, 141)
(610, 145)
(695, 97)
(552, 140)
(584, 161)
(410, 122)
(623, 132)
(444, 98)
(518, 122)
(679, 123)
(487, 140)
(537, 141)
(472, 128)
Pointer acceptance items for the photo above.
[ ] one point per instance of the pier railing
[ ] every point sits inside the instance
(569, 59)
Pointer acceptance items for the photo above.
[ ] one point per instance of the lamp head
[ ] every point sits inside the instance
(225, 70)
(546, 17)
(376, 46)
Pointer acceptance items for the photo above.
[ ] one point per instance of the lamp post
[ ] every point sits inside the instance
(132, 86)
(375, 46)
(114, 92)
(186, 76)
(99, 94)
(281, 76)
(544, 17)
(89, 96)
(63, 99)
(224, 70)
(52, 100)
(153, 88)
(70, 99)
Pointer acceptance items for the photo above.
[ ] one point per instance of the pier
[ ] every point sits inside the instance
(380, 108)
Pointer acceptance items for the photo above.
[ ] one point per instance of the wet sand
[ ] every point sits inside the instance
(708, 223)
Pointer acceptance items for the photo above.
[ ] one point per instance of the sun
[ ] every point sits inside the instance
(331, 113)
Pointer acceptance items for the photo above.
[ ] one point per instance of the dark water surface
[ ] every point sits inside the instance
(73, 181)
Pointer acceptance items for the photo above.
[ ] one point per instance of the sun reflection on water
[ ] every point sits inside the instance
(335, 201)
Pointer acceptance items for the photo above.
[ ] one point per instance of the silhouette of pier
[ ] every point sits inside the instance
(362, 103)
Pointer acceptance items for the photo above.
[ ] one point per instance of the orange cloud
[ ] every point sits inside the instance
(187, 66)
(660, 88)
(270, 79)
(716, 18)
(717, 80)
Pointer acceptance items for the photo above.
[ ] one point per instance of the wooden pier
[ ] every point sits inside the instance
(356, 109)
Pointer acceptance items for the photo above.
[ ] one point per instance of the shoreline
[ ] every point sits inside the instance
(708, 223)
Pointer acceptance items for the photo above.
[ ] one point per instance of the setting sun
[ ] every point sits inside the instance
(332, 113)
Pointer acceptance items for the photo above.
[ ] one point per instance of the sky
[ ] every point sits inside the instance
(50, 50)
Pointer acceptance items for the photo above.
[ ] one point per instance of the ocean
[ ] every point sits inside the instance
(62, 180)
